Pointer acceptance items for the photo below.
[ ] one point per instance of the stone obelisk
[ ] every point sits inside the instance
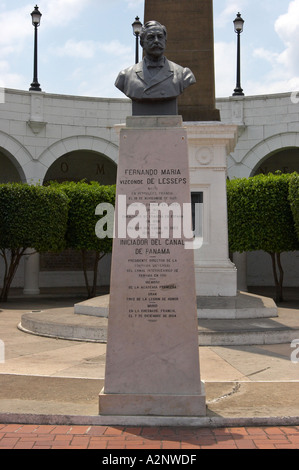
(191, 44)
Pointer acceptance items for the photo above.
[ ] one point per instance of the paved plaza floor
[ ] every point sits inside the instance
(251, 392)
(150, 439)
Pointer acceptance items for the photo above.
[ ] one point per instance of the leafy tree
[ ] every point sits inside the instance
(30, 217)
(84, 198)
(260, 218)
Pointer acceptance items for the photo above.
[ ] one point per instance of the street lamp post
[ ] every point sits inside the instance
(238, 25)
(36, 17)
(137, 26)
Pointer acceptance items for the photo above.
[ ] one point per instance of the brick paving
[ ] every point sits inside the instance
(16, 436)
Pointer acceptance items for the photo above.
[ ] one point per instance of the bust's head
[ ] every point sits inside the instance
(153, 39)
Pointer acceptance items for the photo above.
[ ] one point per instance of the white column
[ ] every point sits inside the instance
(209, 145)
(31, 273)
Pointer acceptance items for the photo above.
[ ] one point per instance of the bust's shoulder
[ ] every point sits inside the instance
(178, 68)
(131, 69)
(126, 77)
(174, 66)
(184, 72)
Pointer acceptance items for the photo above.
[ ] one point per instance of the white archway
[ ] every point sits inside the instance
(17, 154)
(71, 144)
(249, 165)
(255, 157)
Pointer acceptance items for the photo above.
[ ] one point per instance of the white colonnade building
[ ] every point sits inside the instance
(47, 137)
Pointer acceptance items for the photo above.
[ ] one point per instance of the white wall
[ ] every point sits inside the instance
(38, 128)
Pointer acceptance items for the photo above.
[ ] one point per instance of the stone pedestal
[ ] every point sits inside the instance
(209, 145)
(152, 361)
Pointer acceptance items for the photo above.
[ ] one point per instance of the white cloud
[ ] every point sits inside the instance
(14, 28)
(287, 27)
(231, 8)
(271, 86)
(116, 49)
(62, 12)
(283, 74)
(78, 49)
(88, 49)
(225, 66)
(97, 80)
(9, 79)
(264, 54)
(135, 3)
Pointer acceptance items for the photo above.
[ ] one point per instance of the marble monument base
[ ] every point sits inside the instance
(152, 358)
(153, 404)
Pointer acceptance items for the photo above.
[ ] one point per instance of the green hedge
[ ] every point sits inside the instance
(83, 200)
(30, 217)
(260, 218)
(294, 200)
(263, 214)
(260, 215)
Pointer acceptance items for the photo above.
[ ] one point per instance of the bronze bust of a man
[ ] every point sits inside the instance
(155, 83)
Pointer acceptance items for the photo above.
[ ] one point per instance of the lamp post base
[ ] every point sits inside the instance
(238, 92)
(35, 86)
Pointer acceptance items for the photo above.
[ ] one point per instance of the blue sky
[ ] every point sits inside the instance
(83, 44)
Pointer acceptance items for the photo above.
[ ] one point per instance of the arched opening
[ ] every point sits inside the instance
(259, 268)
(285, 160)
(82, 164)
(9, 172)
(65, 269)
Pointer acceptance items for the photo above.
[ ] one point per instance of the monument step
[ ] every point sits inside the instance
(97, 306)
(277, 330)
(244, 305)
(64, 324)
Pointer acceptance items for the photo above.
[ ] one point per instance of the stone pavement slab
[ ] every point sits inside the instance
(54, 379)
(40, 395)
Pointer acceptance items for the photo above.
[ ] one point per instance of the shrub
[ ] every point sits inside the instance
(260, 218)
(294, 200)
(30, 217)
(83, 200)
